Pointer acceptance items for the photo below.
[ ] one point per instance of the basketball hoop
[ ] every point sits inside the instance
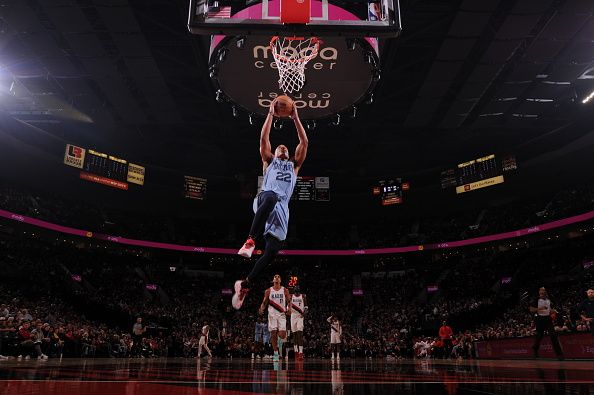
(291, 55)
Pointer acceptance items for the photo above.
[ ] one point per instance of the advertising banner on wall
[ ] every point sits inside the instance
(74, 156)
(575, 346)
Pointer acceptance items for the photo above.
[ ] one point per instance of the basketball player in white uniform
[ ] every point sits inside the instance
(204, 340)
(335, 336)
(276, 298)
(271, 206)
(298, 310)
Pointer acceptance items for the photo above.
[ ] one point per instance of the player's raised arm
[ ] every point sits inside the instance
(264, 302)
(301, 150)
(265, 147)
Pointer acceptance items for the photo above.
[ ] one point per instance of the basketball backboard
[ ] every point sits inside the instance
(375, 18)
(244, 67)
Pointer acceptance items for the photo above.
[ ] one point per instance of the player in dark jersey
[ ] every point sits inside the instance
(271, 206)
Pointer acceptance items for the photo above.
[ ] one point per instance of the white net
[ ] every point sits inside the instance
(291, 55)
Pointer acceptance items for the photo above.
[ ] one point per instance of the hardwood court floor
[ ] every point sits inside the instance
(312, 376)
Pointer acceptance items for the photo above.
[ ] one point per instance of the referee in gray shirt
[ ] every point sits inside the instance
(541, 308)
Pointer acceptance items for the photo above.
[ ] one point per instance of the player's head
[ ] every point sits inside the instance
(276, 279)
(590, 294)
(296, 290)
(542, 292)
(281, 152)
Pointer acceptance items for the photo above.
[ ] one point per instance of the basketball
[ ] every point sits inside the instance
(283, 107)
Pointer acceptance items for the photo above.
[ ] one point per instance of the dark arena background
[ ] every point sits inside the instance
(441, 225)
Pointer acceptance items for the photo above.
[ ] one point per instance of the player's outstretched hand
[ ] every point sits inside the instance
(271, 108)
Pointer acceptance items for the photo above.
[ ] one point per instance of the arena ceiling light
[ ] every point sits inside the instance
(588, 98)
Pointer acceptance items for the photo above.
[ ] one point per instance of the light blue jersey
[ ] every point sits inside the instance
(280, 178)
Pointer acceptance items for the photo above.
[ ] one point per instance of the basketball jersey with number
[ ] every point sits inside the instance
(297, 305)
(280, 177)
(276, 301)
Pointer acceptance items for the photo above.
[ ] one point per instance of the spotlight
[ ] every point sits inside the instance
(351, 44)
(220, 96)
(222, 54)
(235, 112)
(251, 118)
(277, 124)
(240, 42)
(369, 99)
(369, 58)
(336, 122)
(310, 125)
(213, 72)
(354, 112)
(588, 98)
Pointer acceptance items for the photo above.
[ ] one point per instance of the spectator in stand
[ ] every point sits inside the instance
(38, 339)
(24, 315)
(421, 348)
(4, 336)
(25, 341)
(445, 334)
(586, 309)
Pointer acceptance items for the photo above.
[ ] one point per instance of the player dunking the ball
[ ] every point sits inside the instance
(271, 206)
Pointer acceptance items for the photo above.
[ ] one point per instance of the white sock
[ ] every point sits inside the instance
(301, 349)
(296, 348)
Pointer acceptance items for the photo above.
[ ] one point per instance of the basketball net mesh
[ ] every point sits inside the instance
(291, 55)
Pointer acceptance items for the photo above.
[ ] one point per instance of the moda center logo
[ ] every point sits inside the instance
(336, 78)
(325, 59)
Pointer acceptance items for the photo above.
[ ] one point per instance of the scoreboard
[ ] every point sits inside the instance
(105, 165)
(390, 191)
(194, 187)
(308, 188)
(478, 173)
(102, 168)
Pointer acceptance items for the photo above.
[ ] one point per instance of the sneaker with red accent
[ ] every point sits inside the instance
(241, 290)
(247, 249)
